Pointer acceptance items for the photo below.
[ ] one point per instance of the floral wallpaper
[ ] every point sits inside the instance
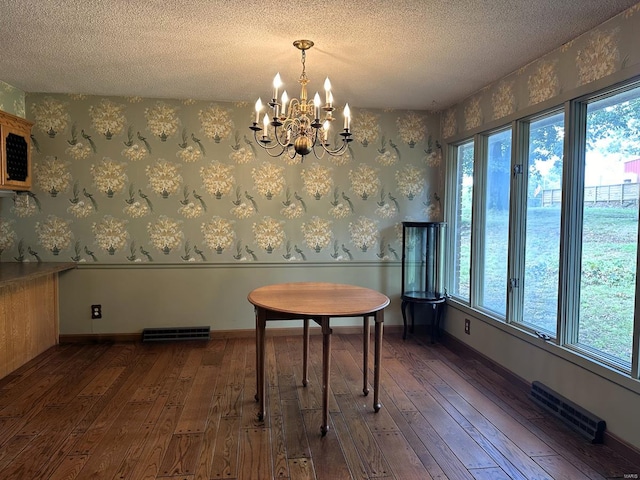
(11, 99)
(605, 50)
(125, 180)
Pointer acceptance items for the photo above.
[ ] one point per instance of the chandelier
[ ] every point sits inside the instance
(295, 126)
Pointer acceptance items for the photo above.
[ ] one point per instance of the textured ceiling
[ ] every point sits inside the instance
(416, 54)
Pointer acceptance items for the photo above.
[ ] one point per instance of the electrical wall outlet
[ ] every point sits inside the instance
(96, 311)
(467, 326)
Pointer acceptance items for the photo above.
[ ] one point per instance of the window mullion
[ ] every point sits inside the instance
(451, 206)
(571, 222)
(635, 352)
(478, 219)
(517, 222)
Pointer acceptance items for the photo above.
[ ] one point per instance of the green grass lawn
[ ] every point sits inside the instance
(607, 290)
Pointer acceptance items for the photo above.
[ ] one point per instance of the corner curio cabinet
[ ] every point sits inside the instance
(423, 271)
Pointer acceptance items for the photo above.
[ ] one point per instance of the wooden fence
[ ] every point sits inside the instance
(620, 194)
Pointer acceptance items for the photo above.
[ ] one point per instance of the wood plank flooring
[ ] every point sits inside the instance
(186, 411)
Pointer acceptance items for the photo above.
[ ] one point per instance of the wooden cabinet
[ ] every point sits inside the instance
(15, 152)
(28, 311)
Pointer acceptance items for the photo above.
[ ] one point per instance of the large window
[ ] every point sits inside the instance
(610, 225)
(461, 226)
(542, 229)
(495, 234)
(553, 204)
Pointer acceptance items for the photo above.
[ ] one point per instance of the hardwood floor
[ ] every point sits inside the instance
(187, 411)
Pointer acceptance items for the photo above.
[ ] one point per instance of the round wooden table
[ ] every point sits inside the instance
(319, 302)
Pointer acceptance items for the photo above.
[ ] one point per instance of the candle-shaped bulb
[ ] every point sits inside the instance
(325, 126)
(330, 98)
(265, 122)
(316, 104)
(327, 89)
(347, 116)
(285, 99)
(277, 83)
(258, 108)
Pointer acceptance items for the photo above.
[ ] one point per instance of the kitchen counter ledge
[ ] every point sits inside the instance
(15, 272)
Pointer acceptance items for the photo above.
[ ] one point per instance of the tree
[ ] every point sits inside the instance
(546, 143)
(614, 125)
(498, 171)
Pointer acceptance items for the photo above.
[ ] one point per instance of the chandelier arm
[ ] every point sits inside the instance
(315, 152)
(335, 152)
(277, 137)
(277, 154)
(268, 148)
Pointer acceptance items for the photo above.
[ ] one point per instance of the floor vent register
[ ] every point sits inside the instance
(576, 417)
(175, 333)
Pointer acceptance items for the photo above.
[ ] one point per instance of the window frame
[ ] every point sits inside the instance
(518, 227)
(453, 172)
(571, 220)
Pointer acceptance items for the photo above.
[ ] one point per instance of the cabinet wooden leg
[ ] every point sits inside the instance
(403, 308)
(412, 314)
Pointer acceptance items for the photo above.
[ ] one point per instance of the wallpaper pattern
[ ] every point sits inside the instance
(11, 99)
(607, 49)
(120, 180)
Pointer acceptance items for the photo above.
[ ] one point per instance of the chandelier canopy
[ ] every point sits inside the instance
(296, 126)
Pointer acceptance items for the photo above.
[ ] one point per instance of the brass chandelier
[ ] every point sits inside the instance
(295, 126)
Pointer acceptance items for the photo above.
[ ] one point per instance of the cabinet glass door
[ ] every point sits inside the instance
(423, 259)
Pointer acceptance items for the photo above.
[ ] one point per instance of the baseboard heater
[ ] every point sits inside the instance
(576, 417)
(175, 333)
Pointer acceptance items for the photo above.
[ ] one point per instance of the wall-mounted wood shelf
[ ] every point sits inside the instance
(15, 152)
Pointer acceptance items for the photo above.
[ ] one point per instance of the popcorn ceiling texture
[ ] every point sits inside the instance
(407, 54)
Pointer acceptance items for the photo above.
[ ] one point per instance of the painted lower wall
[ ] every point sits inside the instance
(532, 359)
(214, 295)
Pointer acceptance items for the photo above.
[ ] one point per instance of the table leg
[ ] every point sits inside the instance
(379, 319)
(305, 353)
(261, 320)
(326, 369)
(257, 395)
(365, 355)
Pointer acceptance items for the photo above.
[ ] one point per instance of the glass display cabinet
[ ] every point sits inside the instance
(422, 271)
